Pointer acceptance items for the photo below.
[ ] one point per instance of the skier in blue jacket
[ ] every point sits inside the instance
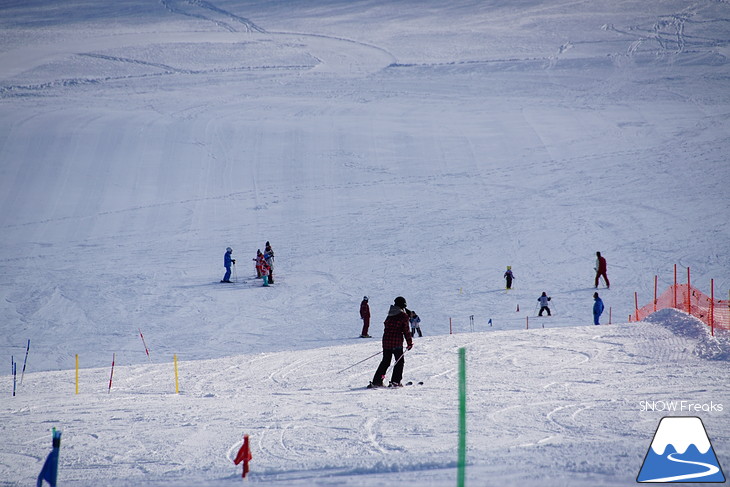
(227, 261)
(597, 309)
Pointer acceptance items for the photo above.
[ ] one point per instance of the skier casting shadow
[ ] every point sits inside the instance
(397, 327)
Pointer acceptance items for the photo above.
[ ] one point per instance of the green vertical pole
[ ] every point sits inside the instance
(462, 418)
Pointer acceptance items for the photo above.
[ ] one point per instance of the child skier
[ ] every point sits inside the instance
(415, 324)
(544, 300)
(258, 260)
(265, 273)
(269, 258)
(509, 276)
(227, 262)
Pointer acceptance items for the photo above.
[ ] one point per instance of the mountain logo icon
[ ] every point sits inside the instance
(681, 452)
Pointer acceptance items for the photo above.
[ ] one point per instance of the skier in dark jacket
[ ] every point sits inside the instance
(396, 329)
(544, 300)
(601, 268)
(415, 324)
(597, 309)
(509, 276)
(227, 261)
(365, 315)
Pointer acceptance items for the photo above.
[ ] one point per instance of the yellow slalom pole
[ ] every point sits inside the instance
(77, 373)
(177, 382)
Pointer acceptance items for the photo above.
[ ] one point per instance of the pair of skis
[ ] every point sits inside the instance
(409, 383)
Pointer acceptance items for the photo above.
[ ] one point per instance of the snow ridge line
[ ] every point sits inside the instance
(164, 67)
(337, 38)
(249, 26)
(9, 91)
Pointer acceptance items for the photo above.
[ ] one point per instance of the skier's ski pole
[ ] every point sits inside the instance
(27, 349)
(235, 273)
(361, 361)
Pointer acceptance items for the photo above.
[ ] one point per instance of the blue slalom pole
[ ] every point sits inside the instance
(25, 362)
(12, 360)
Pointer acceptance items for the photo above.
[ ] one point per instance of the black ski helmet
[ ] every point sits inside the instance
(400, 302)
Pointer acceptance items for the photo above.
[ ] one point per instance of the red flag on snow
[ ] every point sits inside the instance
(244, 455)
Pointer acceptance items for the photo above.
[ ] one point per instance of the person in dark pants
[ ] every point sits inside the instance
(544, 301)
(601, 268)
(597, 309)
(397, 328)
(227, 261)
(509, 276)
(415, 324)
(365, 315)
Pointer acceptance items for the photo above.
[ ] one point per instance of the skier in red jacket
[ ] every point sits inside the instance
(601, 270)
(397, 327)
(365, 315)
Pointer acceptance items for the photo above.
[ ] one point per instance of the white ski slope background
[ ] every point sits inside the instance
(384, 149)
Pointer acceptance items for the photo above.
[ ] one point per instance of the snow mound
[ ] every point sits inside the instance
(687, 326)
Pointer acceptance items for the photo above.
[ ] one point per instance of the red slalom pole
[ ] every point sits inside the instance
(147, 350)
(114, 356)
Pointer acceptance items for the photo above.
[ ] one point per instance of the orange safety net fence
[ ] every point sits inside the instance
(684, 297)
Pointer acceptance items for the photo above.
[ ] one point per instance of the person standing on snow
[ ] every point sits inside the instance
(265, 272)
(597, 309)
(601, 270)
(509, 276)
(415, 324)
(258, 260)
(544, 300)
(396, 329)
(227, 261)
(269, 258)
(365, 315)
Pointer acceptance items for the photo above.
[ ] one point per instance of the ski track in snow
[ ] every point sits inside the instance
(306, 423)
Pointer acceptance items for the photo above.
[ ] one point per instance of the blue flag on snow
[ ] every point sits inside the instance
(49, 473)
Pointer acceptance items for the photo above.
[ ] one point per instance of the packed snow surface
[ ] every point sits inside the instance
(384, 149)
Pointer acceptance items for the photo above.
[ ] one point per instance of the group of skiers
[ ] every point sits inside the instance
(264, 264)
(413, 319)
(598, 307)
(544, 299)
(402, 324)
